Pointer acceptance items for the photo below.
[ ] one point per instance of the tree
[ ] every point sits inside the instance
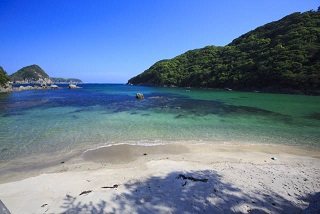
(3, 77)
(281, 55)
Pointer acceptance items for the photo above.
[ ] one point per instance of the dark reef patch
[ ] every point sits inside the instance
(86, 100)
(314, 116)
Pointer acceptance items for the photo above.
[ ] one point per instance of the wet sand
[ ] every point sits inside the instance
(173, 178)
(124, 153)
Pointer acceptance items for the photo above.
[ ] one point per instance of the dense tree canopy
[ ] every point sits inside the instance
(3, 77)
(284, 54)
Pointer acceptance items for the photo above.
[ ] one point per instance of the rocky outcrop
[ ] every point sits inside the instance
(6, 88)
(73, 86)
(54, 86)
(139, 96)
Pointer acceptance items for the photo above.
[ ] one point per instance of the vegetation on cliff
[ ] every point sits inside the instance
(3, 77)
(29, 73)
(284, 54)
(34, 73)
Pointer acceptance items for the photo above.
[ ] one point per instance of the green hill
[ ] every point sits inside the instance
(29, 73)
(3, 77)
(281, 55)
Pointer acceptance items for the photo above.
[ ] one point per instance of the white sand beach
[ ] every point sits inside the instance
(173, 178)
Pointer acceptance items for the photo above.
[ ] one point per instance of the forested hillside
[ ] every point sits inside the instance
(29, 73)
(284, 54)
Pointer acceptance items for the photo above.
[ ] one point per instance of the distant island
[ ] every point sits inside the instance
(59, 80)
(32, 74)
(280, 56)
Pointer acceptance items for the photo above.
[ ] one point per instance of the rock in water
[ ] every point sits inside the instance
(71, 86)
(139, 96)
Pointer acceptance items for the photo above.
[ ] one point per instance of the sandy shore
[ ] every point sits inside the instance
(175, 178)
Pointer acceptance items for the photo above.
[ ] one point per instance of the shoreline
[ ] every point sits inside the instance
(36, 164)
(284, 91)
(239, 178)
(252, 90)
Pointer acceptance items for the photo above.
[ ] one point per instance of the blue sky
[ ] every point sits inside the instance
(113, 40)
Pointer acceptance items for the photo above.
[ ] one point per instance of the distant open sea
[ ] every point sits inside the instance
(45, 121)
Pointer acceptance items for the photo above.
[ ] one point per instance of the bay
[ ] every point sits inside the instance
(46, 121)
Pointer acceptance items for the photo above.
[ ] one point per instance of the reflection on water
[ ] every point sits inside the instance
(53, 120)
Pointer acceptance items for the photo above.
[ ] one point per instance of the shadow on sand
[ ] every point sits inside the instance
(190, 192)
(72, 207)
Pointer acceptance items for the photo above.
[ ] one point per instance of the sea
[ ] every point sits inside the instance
(58, 121)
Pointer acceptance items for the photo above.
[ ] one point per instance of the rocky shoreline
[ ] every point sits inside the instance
(6, 88)
(9, 88)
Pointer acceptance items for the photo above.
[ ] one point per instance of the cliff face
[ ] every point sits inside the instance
(284, 54)
(6, 88)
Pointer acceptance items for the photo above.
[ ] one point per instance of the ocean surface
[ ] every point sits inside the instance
(46, 121)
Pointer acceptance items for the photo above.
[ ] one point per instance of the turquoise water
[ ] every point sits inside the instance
(44, 121)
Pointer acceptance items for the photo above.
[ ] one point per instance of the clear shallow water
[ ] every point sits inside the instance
(44, 121)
